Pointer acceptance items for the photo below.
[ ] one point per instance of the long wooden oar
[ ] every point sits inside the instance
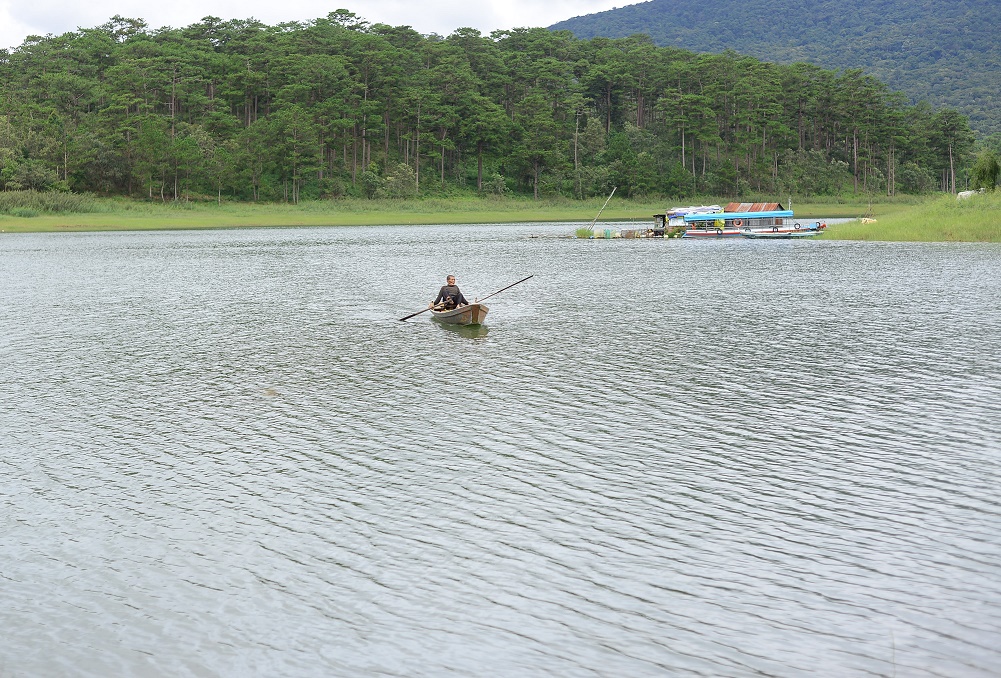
(407, 317)
(504, 288)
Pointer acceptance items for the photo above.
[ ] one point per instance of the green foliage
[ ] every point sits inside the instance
(810, 173)
(986, 171)
(400, 183)
(944, 53)
(497, 184)
(992, 143)
(27, 174)
(944, 219)
(31, 203)
(370, 182)
(241, 111)
(914, 179)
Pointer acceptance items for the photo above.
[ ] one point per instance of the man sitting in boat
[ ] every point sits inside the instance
(449, 295)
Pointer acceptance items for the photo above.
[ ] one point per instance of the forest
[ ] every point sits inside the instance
(946, 53)
(240, 110)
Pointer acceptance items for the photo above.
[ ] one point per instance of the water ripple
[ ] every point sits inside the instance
(223, 455)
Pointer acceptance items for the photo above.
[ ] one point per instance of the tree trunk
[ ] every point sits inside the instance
(479, 166)
(417, 152)
(854, 161)
(608, 104)
(952, 170)
(683, 163)
(576, 163)
(354, 156)
(891, 172)
(385, 143)
(442, 165)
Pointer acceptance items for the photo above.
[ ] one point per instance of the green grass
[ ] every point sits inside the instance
(940, 219)
(906, 218)
(32, 203)
(120, 214)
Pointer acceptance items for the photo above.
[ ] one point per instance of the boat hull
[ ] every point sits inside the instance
(711, 233)
(471, 314)
(788, 235)
(795, 230)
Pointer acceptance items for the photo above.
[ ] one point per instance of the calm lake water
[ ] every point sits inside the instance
(222, 455)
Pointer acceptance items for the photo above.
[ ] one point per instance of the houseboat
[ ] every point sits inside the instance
(674, 219)
(738, 218)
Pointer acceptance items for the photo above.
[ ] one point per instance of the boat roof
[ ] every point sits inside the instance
(772, 214)
(694, 209)
(753, 207)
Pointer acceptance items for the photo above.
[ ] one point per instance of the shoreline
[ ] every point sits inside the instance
(928, 219)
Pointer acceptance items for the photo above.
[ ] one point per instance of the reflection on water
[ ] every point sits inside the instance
(467, 331)
(219, 455)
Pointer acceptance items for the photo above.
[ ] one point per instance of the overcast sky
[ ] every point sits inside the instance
(21, 18)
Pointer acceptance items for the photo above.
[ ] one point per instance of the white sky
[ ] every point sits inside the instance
(21, 18)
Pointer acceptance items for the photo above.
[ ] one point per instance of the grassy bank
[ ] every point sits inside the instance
(905, 218)
(117, 214)
(941, 219)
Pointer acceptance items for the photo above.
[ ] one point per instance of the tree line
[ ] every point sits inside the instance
(944, 52)
(337, 106)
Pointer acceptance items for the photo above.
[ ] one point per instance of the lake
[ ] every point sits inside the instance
(221, 454)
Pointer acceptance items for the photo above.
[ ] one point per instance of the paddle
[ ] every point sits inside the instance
(406, 317)
(504, 288)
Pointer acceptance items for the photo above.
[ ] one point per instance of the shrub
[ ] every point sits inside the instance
(370, 182)
(400, 182)
(986, 171)
(497, 184)
(48, 201)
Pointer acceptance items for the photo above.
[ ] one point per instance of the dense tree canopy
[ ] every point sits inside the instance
(335, 106)
(946, 53)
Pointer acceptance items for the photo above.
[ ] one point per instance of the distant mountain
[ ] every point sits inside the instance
(947, 53)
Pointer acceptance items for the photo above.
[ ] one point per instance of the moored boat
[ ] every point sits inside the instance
(739, 219)
(470, 314)
(672, 222)
(808, 231)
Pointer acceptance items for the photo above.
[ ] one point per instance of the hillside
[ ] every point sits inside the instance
(945, 53)
(334, 107)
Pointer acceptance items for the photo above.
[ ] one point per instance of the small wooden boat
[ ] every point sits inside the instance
(782, 235)
(470, 314)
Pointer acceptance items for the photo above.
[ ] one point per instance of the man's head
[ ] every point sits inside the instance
(449, 279)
